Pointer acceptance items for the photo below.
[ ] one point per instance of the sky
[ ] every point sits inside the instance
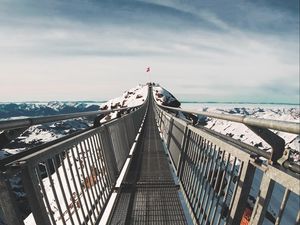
(221, 50)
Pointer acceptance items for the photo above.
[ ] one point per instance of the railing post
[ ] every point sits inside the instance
(8, 203)
(184, 148)
(33, 192)
(243, 189)
(123, 128)
(170, 132)
(262, 202)
(108, 150)
(160, 118)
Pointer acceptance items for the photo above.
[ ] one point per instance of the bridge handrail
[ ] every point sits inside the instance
(290, 127)
(27, 122)
(75, 176)
(209, 167)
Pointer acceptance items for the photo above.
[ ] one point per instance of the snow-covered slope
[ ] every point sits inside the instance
(241, 132)
(164, 97)
(237, 130)
(39, 134)
(85, 180)
(43, 133)
(244, 134)
(131, 98)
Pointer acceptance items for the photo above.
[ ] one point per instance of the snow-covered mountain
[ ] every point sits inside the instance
(29, 109)
(241, 132)
(164, 97)
(237, 130)
(130, 98)
(43, 133)
(39, 134)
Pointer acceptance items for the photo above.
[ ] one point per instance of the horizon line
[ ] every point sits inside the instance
(238, 102)
(183, 101)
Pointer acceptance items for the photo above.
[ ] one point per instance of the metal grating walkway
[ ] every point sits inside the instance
(149, 194)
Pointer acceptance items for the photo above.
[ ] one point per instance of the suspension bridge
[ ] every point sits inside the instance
(148, 166)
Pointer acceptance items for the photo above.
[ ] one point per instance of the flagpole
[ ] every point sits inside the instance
(148, 71)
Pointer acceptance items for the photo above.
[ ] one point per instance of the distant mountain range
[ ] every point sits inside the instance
(8, 110)
(241, 103)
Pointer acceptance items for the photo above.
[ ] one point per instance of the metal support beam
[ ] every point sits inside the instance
(277, 143)
(182, 149)
(240, 201)
(262, 202)
(8, 204)
(109, 154)
(34, 197)
(183, 154)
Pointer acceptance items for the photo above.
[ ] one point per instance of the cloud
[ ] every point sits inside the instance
(196, 48)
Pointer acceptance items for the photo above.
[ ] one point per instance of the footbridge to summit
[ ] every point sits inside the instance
(148, 166)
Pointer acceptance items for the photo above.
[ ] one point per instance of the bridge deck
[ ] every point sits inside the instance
(149, 194)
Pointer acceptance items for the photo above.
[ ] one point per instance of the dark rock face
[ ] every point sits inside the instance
(173, 103)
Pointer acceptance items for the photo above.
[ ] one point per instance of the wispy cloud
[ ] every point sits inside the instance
(221, 48)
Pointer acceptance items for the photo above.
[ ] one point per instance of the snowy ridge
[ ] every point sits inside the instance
(40, 134)
(164, 97)
(22, 110)
(237, 130)
(240, 132)
(43, 133)
(131, 98)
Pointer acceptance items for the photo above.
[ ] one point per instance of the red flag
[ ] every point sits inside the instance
(148, 69)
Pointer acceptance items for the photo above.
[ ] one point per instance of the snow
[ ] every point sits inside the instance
(7, 151)
(162, 96)
(131, 98)
(85, 180)
(30, 220)
(14, 118)
(38, 134)
(241, 132)
(43, 133)
(134, 97)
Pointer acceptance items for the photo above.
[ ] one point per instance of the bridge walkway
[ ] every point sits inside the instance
(149, 194)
